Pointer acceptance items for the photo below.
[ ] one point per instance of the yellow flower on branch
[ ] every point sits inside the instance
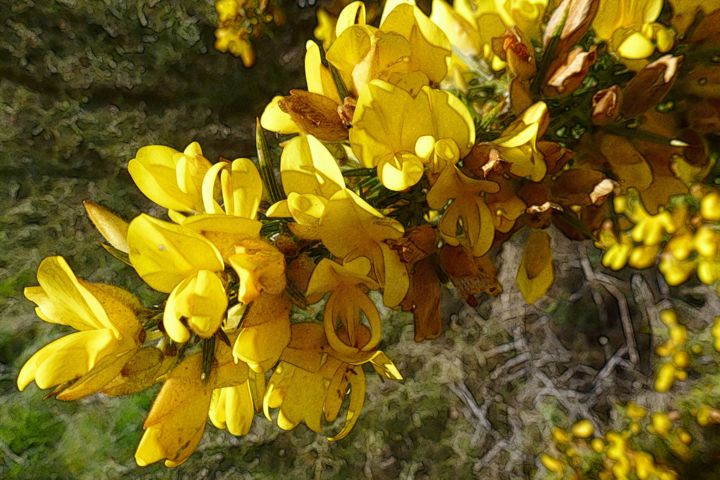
(164, 253)
(170, 178)
(109, 332)
(177, 419)
(347, 284)
(401, 133)
(467, 220)
(311, 379)
(629, 28)
(407, 50)
(200, 300)
(518, 144)
(264, 333)
(351, 228)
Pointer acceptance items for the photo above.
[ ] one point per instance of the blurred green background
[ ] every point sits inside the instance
(83, 85)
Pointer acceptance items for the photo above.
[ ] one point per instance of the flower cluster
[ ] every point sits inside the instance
(419, 145)
(650, 444)
(241, 20)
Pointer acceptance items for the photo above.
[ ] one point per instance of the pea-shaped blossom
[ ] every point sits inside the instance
(109, 332)
(170, 178)
(407, 50)
(177, 419)
(518, 144)
(398, 132)
(467, 219)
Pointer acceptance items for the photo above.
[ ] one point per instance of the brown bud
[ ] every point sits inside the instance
(517, 52)
(315, 114)
(650, 85)
(606, 105)
(568, 72)
(578, 15)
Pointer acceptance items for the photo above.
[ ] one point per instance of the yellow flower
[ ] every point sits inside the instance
(260, 267)
(628, 27)
(518, 143)
(311, 380)
(108, 334)
(319, 81)
(407, 50)
(264, 332)
(240, 186)
(176, 421)
(468, 209)
(170, 178)
(310, 176)
(441, 131)
(164, 254)
(351, 228)
(200, 300)
(346, 284)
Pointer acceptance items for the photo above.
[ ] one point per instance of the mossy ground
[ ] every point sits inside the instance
(83, 85)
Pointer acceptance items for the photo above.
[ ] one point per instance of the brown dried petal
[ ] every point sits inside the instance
(606, 105)
(569, 72)
(574, 186)
(315, 114)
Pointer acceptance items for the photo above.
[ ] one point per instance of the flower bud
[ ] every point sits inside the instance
(568, 72)
(650, 85)
(606, 105)
(575, 16)
(514, 49)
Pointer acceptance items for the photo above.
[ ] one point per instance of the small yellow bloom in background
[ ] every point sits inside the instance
(536, 272)
(583, 429)
(170, 178)
(552, 463)
(201, 301)
(109, 332)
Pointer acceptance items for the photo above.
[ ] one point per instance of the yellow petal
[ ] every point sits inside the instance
(265, 332)
(156, 170)
(201, 301)
(63, 299)
(306, 166)
(318, 77)
(536, 274)
(232, 407)
(276, 120)
(176, 421)
(164, 254)
(357, 399)
(260, 267)
(352, 14)
(110, 226)
(66, 358)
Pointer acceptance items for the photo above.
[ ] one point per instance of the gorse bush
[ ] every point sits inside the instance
(418, 148)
